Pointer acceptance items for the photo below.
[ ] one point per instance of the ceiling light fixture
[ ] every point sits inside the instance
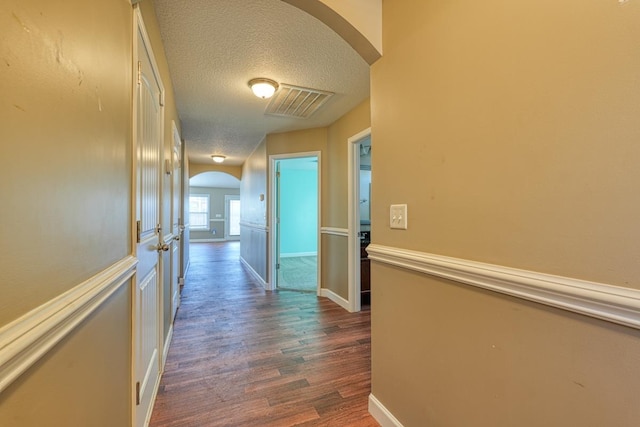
(218, 158)
(263, 88)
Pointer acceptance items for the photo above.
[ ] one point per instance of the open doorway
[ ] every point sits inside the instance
(214, 213)
(295, 221)
(232, 217)
(359, 193)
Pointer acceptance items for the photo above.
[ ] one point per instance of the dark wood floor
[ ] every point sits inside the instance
(242, 356)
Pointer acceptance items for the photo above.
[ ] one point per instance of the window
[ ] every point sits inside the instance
(199, 212)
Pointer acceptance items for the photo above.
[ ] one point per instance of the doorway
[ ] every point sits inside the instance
(359, 217)
(232, 217)
(295, 221)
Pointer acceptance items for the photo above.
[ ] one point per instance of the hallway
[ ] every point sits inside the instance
(242, 356)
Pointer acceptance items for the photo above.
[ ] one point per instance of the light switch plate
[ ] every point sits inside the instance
(398, 217)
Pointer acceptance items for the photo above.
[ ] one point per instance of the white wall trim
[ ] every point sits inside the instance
(167, 344)
(328, 293)
(382, 414)
(334, 231)
(255, 226)
(255, 274)
(607, 302)
(298, 254)
(25, 340)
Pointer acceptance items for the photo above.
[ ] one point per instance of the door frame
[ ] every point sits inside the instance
(353, 218)
(272, 241)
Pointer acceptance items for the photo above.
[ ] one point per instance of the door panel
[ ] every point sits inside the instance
(146, 298)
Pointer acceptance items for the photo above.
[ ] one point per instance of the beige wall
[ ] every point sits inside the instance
(299, 141)
(66, 105)
(513, 142)
(66, 112)
(253, 215)
(66, 146)
(335, 208)
(335, 200)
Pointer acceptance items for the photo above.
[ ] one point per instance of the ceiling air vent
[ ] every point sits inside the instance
(294, 101)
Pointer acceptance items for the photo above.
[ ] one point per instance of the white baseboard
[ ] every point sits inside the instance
(186, 269)
(25, 340)
(382, 414)
(602, 301)
(298, 254)
(328, 293)
(167, 344)
(255, 274)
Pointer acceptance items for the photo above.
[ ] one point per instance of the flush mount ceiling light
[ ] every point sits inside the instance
(263, 88)
(218, 158)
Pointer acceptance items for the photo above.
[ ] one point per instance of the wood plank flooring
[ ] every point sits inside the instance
(242, 356)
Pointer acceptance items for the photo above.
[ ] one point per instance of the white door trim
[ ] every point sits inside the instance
(272, 213)
(353, 218)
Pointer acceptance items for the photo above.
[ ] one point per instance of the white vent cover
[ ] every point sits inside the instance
(294, 101)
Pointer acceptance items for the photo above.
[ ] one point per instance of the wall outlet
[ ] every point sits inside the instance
(213, 231)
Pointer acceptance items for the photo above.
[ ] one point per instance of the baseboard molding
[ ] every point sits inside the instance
(382, 414)
(254, 274)
(344, 232)
(206, 240)
(606, 302)
(25, 340)
(186, 269)
(298, 254)
(328, 293)
(165, 350)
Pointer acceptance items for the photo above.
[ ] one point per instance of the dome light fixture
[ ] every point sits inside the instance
(263, 88)
(218, 158)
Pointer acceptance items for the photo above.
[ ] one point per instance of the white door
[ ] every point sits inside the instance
(146, 299)
(176, 231)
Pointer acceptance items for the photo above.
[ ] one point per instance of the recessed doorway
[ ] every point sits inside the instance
(295, 222)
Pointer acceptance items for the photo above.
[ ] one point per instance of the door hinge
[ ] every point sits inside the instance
(139, 72)
(278, 266)
(138, 231)
(138, 393)
(161, 98)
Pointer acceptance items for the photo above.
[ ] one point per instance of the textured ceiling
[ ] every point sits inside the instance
(214, 47)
